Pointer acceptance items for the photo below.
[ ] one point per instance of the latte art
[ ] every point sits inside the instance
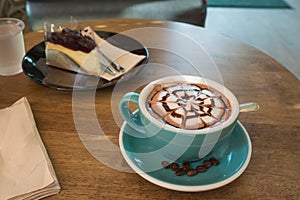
(188, 106)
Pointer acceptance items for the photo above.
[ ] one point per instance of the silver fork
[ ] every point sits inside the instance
(115, 65)
(107, 68)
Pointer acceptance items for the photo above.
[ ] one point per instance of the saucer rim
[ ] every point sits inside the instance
(184, 188)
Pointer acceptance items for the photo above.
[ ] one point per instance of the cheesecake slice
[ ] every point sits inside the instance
(71, 50)
(79, 51)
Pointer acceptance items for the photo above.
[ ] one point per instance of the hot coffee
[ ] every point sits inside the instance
(184, 117)
(188, 106)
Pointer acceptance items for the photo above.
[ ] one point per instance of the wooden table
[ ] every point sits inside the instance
(273, 172)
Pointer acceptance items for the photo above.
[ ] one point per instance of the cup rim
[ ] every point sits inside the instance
(193, 79)
(18, 22)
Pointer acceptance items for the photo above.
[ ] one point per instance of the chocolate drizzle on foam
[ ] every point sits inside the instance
(188, 106)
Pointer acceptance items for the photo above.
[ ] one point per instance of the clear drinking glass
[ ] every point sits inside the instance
(12, 48)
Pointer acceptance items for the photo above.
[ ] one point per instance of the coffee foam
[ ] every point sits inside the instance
(188, 106)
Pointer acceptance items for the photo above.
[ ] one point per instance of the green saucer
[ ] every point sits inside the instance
(234, 158)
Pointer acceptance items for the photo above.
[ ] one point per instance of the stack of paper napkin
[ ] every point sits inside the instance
(26, 171)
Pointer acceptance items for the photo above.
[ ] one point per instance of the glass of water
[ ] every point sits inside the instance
(12, 48)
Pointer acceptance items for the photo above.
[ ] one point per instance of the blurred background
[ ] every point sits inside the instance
(272, 29)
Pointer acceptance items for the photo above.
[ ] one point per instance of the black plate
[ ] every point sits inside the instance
(34, 66)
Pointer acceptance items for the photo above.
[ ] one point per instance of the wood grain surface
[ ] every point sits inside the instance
(273, 172)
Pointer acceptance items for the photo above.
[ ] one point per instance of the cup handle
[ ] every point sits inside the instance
(131, 118)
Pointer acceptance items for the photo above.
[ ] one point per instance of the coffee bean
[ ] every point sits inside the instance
(165, 164)
(191, 172)
(214, 161)
(207, 163)
(201, 168)
(186, 166)
(174, 166)
(180, 172)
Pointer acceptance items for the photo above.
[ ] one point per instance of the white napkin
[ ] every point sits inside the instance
(124, 58)
(26, 171)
